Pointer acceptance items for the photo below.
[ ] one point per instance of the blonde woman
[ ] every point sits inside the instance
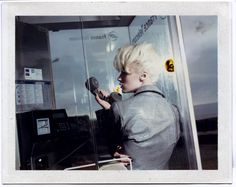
(144, 127)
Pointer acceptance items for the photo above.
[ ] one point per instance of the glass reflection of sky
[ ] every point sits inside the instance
(69, 71)
(200, 39)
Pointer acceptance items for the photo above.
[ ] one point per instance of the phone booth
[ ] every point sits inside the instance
(84, 47)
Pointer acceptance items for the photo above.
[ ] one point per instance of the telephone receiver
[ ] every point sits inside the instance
(92, 85)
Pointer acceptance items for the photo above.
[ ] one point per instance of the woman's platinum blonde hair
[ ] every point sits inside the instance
(141, 57)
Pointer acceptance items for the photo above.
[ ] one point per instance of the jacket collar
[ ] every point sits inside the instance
(149, 88)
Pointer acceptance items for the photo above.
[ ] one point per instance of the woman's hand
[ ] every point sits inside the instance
(125, 158)
(102, 102)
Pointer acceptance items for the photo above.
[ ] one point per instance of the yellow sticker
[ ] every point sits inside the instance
(117, 89)
(170, 65)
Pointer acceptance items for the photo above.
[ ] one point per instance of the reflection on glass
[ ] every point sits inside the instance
(69, 71)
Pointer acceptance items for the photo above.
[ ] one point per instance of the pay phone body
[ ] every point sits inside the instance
(44, 137)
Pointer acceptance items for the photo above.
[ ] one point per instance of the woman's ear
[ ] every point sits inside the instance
(143, 76)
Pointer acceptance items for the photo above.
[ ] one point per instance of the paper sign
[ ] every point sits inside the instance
(33, 74)
(29, 94)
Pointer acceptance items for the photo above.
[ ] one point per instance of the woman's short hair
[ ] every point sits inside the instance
(141, 57)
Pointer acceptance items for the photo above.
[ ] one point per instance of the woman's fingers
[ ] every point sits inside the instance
(102, 102)
(103, 93)
(124, 158)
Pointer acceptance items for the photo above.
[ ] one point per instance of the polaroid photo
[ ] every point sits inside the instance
(167, 123)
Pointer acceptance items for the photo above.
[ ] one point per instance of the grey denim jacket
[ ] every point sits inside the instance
(149, 127)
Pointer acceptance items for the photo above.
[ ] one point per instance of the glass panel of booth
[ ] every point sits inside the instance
(157, 30)
(69, 74)
(100, 46)
(82, 52)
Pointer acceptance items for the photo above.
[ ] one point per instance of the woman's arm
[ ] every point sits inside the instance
(102, 102)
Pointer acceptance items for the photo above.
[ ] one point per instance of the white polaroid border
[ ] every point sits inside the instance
(221, 9)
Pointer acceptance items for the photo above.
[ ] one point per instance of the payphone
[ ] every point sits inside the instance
(45, 137)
